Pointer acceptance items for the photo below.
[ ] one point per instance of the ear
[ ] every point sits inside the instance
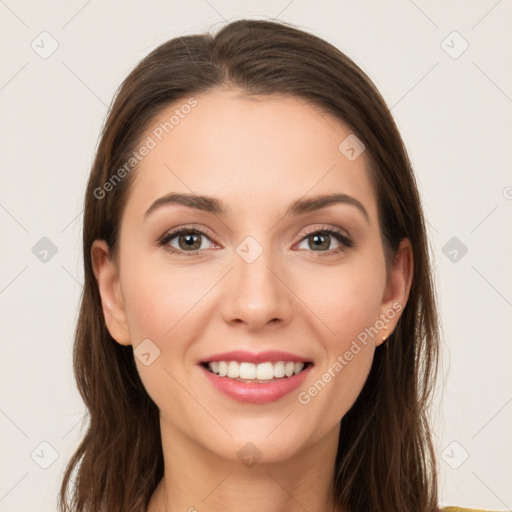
(397, 288)
(107, 277)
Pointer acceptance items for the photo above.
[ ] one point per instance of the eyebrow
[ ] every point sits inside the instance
(215, 206)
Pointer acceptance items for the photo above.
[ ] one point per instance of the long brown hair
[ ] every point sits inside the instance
(386, 459)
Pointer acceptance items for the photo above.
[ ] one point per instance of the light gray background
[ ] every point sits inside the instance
(453, 113)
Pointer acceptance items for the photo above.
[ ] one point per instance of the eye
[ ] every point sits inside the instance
(188, 240)
(321, 241)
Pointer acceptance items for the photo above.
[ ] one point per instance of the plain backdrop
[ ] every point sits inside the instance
(444, 70)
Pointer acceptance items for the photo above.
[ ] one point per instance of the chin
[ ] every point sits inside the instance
(261, 446)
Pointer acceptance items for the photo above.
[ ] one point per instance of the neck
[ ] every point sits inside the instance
(198, 480)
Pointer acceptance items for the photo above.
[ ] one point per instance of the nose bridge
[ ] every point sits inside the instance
(256, 294)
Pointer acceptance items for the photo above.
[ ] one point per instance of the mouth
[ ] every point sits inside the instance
(256, 378)
(268, 381)
(262, 373)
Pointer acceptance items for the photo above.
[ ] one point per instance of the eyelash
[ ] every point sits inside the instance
(345, 242)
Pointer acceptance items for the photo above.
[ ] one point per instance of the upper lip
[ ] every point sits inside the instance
(251, 357)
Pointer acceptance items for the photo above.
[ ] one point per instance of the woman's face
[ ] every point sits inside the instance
(254, 278)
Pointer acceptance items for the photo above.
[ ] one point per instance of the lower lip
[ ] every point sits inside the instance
(254, 393)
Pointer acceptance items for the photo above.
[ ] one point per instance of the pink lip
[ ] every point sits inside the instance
(260, 357)
(253, 392)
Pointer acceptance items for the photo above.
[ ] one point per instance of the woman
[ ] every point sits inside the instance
(258, 328)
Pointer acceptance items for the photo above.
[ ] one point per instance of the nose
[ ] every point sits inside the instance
(256, 293)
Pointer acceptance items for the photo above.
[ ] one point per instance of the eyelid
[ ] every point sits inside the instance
(191, 227)
(325, 227)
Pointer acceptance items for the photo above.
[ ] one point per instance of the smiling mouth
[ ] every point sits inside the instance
(256, 373)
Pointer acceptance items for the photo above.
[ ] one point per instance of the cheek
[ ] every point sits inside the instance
(165, 304)
(160, 306)
(346, 303)
(157, 300)
(346, 300)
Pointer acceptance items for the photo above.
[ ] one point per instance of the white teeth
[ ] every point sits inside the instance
(223, 368)
(279, 369)
(251, 371)
(233, 370)
(265, 371)
(298, 367)
(247, 371)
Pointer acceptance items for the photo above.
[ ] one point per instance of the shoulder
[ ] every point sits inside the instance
(462, 509)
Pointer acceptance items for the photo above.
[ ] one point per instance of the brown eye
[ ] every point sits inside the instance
(321, 241)
(188, 241)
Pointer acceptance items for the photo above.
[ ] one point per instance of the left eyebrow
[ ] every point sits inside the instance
(198, 202)
(217, 207)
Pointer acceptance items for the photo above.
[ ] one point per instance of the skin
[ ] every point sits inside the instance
(257, 156)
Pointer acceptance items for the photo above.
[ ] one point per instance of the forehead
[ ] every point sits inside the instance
(242, 150)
